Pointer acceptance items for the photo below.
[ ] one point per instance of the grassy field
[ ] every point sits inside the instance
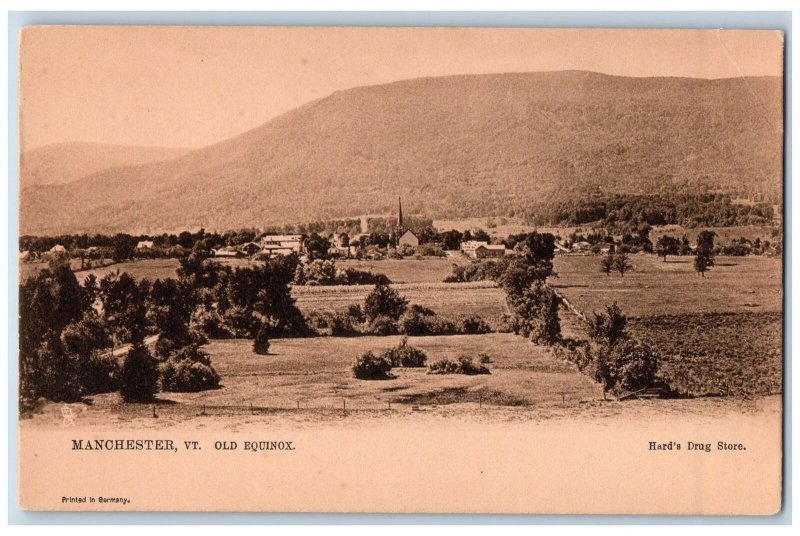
(654, 287)
(458, 299)
(410, 270)
(316, 372)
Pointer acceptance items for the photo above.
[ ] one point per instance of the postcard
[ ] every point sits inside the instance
(401, 270)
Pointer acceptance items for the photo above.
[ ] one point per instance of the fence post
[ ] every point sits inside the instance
(251, 409)
(155, 416)
(480, 400)
(344, 406)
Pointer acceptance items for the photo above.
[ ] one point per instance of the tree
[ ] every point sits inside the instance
(317, 247)
(125, 306)
(384, 301)
(622, 263)
(705, 241)
(667, 245)
(629, 365)
(608, 328)
(261, 342)
(124, 247)
(537, 250)
(607, 263)
(536, 313)
(704, 254)
(702, 261)
(138, 379)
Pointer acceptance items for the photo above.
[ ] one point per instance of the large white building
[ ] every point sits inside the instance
(281, 244)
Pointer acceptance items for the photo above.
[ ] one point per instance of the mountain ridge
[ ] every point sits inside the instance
(454, 146)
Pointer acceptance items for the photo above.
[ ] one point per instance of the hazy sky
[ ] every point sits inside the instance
(192, 86)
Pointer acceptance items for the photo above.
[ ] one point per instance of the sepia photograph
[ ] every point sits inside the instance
(403, 270)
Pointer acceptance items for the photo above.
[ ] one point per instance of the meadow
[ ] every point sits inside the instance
(315, 376)
(480, 298)
(655, 287)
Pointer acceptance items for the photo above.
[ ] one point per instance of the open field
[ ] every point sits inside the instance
(718, 335)
(718, 353)
(30, 269)
(409, 270)
(316, 373)
(151, 269)
(481, 298)
(654, 287)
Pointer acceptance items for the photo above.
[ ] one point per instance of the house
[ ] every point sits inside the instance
(408, 239)
(251, 248)
(489, 251)
(144, 244)
(58, 248)
(468, 247)
(281, 244)
(229, 252)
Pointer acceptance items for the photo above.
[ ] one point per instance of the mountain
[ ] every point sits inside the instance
(456, 146)
(61, 163)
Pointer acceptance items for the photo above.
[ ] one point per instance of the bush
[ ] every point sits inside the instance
(261, 342)
(629, 365)
(384, 301)
(578, 352)
(372, 367)
(462, 365)
(383, 325)
(209, 322)
(239, 321)
(405, 355)
(138, 378)
(484, 358)
(474, 325)
(164, 347)
(187, 376)
(100, 374)
(355, 312)
(414, 323)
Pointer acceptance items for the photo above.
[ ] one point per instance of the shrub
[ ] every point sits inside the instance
(355, 312)
(100, 374)
(239, 321)
(473, 325)
(629, 365)
(484, 358)
(210, 322)
(138, 378)
(164, 347)
(462, 365)
(575, 351)
(372, 367)
(192, 353)
(261, 342)
(384, 301)
(383, 325)
(405, 355)
(414, 323)
(187, 376)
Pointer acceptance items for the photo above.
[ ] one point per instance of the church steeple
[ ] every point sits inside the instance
(400, 229)
(399, 213)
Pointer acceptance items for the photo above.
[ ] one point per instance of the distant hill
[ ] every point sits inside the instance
(61, 163)
(453, 147)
